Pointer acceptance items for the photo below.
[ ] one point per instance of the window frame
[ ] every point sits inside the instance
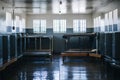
(39, 24)
(79, 26)
(59, 26)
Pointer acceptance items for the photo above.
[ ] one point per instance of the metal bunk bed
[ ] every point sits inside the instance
(85, 44)
(38, 45)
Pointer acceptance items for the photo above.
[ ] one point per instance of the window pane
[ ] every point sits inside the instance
(43, 26)
(17, 21)
(97, 24)
(9, 22)
(8, 19)
(110, 21)
(106, 22)
(115, 16)
(94, 24)
(59, 26)
(115, 20)
(106, 19)
(17, 24)
(79, 25)
(55, 26)
(62, 26)
(102, 25)
(110, 18)
(84, 25)
(39, 26)
(36, 24)
(22, 25)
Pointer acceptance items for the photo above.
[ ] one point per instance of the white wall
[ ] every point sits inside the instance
(49, 17)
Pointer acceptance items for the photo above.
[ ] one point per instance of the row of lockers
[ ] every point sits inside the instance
(11, 47)
(109, 45)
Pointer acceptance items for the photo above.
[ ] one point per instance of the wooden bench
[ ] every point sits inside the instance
(95, 55)
(74, 54)
(77, 53)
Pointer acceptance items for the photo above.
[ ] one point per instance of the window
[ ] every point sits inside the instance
(8, 19)
(59, 26)
(106, 22)
(98, 24)
(102, 25)
(16, 24)
(22, 25)
(115, 16)
(17, 21)
(79, 26)
(111, 20)
(8, 22)
(115, 20)
(39, 26)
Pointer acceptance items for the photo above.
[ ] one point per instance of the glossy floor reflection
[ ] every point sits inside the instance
(72, 69)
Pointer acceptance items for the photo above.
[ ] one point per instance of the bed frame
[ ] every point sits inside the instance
(79, 52)
(34, 47)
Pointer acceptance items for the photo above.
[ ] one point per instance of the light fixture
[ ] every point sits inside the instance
(13, 16)
(60, 3)
(59, 12)
(3, 8)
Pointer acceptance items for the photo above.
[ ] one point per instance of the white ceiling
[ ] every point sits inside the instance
(57, 6)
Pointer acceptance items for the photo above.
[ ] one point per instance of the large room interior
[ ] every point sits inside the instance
(59, 39)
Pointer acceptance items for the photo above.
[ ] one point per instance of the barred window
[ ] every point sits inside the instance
(59, 26)
(79, 25)
(39, 26)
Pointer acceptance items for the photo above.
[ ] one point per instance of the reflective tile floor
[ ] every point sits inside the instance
(36, 68)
